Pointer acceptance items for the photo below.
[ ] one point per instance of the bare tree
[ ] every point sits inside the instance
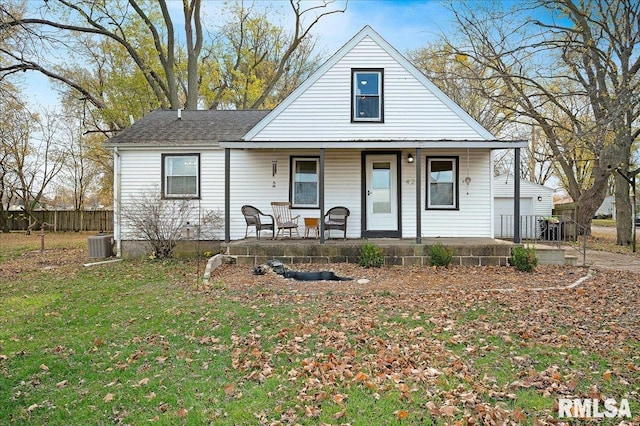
(137, 27)
(157, 221)
(585, 54)
(80, 173)
(32, 158)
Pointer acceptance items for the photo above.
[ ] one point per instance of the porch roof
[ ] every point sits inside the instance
(377, 144)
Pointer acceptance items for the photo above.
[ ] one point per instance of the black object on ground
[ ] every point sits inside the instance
(279, 268)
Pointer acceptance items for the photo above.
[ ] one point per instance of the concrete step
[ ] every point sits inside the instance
(570, 260)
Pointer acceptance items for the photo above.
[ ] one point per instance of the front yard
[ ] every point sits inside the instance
(142, 341)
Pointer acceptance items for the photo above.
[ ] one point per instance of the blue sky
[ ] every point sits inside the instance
(405, 24)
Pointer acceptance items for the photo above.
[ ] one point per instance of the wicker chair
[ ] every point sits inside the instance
(336, 218)
(254, 217)
(284, 220)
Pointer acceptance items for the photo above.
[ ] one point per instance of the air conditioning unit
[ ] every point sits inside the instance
(100, 246)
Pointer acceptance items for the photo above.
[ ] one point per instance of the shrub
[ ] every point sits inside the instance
(440, 255)
(523, 258)
(371, 256)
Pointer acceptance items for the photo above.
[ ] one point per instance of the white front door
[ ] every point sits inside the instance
(381, 192)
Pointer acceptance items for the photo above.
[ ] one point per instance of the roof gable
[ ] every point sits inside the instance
(326, 95)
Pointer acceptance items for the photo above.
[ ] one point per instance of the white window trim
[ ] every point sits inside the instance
(165, 176)
(294, 160)
(454, 165)
(354, 92)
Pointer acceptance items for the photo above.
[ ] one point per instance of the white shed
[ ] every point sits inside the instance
(535, 201)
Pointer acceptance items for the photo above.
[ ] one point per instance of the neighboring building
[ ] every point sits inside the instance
(536, 202)
(367, 131)
(607, 209)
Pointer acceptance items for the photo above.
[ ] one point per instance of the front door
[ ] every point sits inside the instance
(381, 195)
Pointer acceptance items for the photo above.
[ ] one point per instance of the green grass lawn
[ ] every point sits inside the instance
(141, 341)
(604, 222)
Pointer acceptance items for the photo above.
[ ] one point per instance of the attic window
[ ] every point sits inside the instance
(366, 97)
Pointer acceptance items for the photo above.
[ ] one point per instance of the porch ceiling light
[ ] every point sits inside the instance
(410, 158)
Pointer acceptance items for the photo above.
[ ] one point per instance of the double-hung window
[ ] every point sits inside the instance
(442, 190)
(366, 95)
(181, 175)
(304, 182)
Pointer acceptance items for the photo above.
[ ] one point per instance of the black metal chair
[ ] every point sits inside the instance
(253, 216)
(336, 218)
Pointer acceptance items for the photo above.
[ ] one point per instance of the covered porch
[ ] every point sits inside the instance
(400, 252)
(345, 175)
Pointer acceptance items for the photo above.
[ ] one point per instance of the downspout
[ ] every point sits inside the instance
(117, 228)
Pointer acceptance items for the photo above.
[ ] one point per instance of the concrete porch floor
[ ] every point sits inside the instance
(405, 252)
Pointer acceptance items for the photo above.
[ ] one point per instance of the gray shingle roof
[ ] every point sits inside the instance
(162, 127)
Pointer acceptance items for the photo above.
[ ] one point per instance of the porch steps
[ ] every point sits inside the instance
(494, 253)
(548, 255)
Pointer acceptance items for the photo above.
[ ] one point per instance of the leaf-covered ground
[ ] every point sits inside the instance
(142, 341)
(473, 345)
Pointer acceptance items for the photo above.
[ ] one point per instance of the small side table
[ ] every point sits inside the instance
(311, 223)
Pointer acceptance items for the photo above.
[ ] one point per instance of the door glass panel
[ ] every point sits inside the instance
(381, 186)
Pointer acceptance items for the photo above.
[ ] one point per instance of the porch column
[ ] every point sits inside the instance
(516, 198)
(227, 192)
(418, 196)
(321, 195)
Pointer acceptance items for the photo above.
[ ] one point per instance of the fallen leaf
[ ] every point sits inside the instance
(448, 410)
(340, 414)
(108, 397)
(62, 384)
(182, 412)
(43, 367)
(518, 415)
(360, 377)
(229, 390)
(402, 414)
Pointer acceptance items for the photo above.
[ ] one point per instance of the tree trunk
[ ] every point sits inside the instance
(623, 212)
(591, 198)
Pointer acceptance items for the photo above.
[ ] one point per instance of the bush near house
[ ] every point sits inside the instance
(371, 256)
(440, 255)
(524, 259)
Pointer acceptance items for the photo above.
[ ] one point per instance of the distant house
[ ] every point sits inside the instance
(607, 208)
(536, 201)
(367, 131)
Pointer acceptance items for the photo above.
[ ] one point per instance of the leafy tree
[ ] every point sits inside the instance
(145, 34)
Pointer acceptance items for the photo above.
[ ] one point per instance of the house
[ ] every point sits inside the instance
(607, 209)
(367, 131)
(536, 202)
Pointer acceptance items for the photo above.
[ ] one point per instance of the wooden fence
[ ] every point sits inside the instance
(64, 220)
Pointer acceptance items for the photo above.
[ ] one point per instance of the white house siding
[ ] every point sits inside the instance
(473, 218)
(252, 183)
(323, 111)
(503, 187)
(141, 174)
